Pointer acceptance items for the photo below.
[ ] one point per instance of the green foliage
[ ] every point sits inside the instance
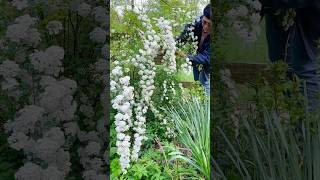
(10, 159)
(192, 120)
(125, 44)
(277, 138)
(153, 164)
(283, 152)
(149, 166)
(275, 91)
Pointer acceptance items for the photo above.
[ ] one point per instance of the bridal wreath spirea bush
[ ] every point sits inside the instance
(53, 71)
(144, 69)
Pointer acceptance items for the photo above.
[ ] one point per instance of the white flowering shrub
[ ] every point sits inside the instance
(54, 27)
(53, 74)
(144, 69)
(245, 19)
(190, 48)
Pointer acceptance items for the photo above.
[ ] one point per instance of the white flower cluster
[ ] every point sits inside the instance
(105, 51)
(34, 171)
(98, 35)
(166, 121)
(56, 107)
(184, 16)
(84, 9)
(245, 20)
(90, 157)
(49, 61)
(35, 128)
(145, 62)
(288, 17)
(190, 47)
(32, 121)
(22, 31)
(140, 100)
(100, 15)
(187, 66)
(24, 123)
(47, 129)
(9, 70)
(57, 99)
(164, 95)
(90, 153)
(24, 132)
(54, 27)
(168, 45)
(123, 103)
(20, 4)
(172, 88)
(181, 86)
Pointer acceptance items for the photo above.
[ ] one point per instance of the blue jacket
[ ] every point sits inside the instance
(203, 53)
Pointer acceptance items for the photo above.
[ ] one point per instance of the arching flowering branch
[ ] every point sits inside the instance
(168, 45)
(146, 66)
(190, 46)
(123, 103)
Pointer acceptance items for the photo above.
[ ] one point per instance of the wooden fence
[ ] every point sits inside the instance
(243, 72)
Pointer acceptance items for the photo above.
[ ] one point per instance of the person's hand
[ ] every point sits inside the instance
(181, 54)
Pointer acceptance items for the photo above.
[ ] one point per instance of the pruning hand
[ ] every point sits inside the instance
(181, 54)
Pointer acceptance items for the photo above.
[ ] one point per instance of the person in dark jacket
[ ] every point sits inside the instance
(201, 29)
(298, 45)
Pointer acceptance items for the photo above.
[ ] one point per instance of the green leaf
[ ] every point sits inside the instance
(139, 171)
(115, 168)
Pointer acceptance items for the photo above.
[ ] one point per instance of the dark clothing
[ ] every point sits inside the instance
(203, 53)
(276, 4)
(307, 20)
(207, 11)
(298, 46)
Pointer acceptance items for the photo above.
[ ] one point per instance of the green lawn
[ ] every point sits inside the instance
(182, 76)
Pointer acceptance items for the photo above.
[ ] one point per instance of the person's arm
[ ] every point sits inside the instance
(201, 58)
(288, 3)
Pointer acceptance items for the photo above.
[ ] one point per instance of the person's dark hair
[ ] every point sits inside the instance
(207, 11)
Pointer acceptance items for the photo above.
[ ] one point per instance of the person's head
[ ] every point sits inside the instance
(206, 19)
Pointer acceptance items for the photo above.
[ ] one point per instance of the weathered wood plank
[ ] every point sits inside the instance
(240, 73)
(187, 84)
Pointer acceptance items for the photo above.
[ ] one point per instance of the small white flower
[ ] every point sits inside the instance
(20, 4)
(125, 80)
(98, 35)
(117, 71)
(257, 5)
(54, 27)
(84, 9)
(121, 136)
